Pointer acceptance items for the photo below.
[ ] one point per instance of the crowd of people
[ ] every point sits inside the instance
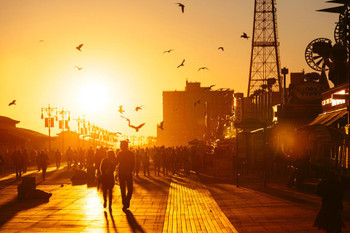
(18, 161)
(148, 161)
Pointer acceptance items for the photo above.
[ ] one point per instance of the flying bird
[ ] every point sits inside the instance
(161, 125)
(121, 109)
(79, 68)
(138, 108)
(125, 117)
(137, 128)
(197, 102)
(41, 41)
(209, 88)
(221, 48)
(79, 47)
(182, 7)
(13, 102)
(244, 35)
(182, 63)
(168, 51)
(203, 68)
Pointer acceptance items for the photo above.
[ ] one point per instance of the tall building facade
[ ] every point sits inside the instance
(195, 113)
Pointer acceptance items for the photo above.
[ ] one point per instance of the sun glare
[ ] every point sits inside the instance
(92, 96)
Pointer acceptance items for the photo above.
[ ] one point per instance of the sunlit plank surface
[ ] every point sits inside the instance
(191, 208)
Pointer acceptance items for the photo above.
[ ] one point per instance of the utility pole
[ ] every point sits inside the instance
(51, 114)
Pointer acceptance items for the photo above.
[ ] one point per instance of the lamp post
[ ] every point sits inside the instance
(63, 123)
(270, 83)
(284, 71)
(49, 120)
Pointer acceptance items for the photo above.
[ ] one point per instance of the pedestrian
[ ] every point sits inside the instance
(107, 178)
(69, 155)
(44, 161)
(126, 161)
(332, 192)
(58, 157)
(18, 164)
(145, 164)
(90, 157)
(156, 162)
(137, 162)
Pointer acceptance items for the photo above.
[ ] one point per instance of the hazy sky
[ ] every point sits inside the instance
(122, 57)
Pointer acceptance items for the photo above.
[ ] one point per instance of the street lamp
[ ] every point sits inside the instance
(284, 71)
(51, 116)
(63, 123)
(270, 83)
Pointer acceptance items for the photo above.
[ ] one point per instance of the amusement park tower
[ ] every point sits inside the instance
(265, 59)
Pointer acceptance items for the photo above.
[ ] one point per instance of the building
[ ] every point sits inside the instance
(12, 137)
(195, 113)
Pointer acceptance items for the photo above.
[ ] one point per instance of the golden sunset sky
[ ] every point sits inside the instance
(122, 57)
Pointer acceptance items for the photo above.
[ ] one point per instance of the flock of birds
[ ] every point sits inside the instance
(120, 110)
(182, 6)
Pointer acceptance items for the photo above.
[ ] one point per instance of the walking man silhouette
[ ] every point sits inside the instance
(126, 161)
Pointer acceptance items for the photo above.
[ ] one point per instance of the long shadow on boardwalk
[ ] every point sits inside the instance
(13, 207)
(135, 226)
(107, 221)
(151, 184)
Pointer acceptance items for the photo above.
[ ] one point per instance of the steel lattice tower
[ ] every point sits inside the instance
(265, 59)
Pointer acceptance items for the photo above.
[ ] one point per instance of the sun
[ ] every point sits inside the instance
(92, 96)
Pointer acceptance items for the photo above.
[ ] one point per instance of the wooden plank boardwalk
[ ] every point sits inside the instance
(191, 208)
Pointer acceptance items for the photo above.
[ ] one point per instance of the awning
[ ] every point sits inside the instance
(329, 117)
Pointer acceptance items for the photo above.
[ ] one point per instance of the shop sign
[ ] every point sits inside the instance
(334, 101)
(308, 91)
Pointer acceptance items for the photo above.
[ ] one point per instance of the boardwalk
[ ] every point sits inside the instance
(160, 204)
(191, 208)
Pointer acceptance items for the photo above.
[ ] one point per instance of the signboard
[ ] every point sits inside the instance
(308, 91)
(334, 99)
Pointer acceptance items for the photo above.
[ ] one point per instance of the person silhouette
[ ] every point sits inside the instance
(126, 161)
(329, 217)
(107, 177)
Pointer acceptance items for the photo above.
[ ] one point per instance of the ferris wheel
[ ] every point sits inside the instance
(317, 51)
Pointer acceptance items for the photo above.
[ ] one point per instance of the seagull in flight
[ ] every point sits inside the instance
(209, 88)
(79, 68)
(121, 109)
(125, 117)
(168, 51)
(138, 108)
(245, 36)
(221, 48)
(137, 128)
(203, 68)
(161, 125)
(79, 47)
(182, 6)
(13, 102)
(182, 63)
